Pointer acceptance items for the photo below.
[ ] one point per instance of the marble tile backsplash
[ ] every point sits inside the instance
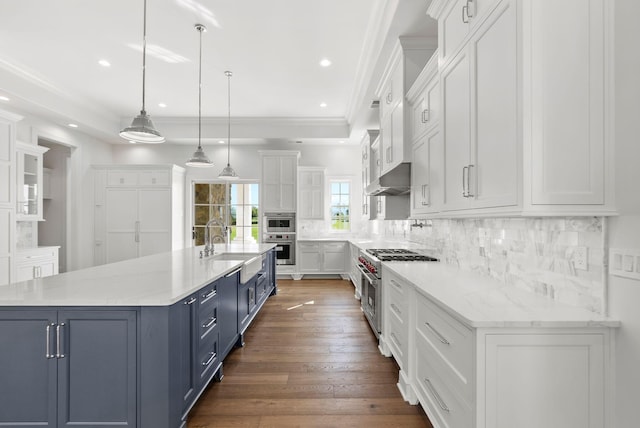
(26, 234)
(531, 253)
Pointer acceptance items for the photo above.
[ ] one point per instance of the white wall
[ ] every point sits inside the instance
(85, 151)
(624, 231)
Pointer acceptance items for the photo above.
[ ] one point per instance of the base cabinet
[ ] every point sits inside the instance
(36, 263)
(322, 257)
(68, 368)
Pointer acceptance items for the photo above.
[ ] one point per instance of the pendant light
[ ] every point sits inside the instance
(228, 173)
(199, 159)
(142, 129)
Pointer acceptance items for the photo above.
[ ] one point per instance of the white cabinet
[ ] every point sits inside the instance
(479, 90)
(279, 180)
(370, 163)
(35, 263)
(311, 193)
(29, 182)
(496, 375)
(322, 257)
(7, 194)
(526, 106)
(354, 272)
(407, 60)
(139, 210)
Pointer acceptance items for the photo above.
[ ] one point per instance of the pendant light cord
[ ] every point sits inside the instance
(200, 29)
(144, 53)
(228, 73)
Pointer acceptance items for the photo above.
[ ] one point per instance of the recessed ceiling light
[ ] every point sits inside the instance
(325, 62)
(73, 125)
(163, 105)
(104, 63)
(323, 104)
(3, 98)
(221, 142)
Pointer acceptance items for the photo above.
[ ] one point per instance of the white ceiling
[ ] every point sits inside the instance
(49, 53)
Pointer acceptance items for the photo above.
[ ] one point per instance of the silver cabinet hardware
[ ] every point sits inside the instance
(425, 115)
(396, 284)
(469, 194)
(465, 13)
(59, 347)
(440, 337)
(212, 356)
(211, 322)
(425, 195)
(470, 8)
(395, 309)
(191, 301)
(211, 293)
(389, 97)
(137, 236)
(48, 355)
(464, 181)
(435, 394)
(232, 273)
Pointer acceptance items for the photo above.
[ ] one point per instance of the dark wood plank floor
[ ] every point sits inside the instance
(310, 360)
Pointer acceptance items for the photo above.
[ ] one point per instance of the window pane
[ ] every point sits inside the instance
(201, 215)
(255, 195)
(344, 187)
(344, 200)
(218, 194)
(201, 193)
(335, 188)
(335, 199)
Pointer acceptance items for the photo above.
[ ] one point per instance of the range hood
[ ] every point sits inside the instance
(393, 183)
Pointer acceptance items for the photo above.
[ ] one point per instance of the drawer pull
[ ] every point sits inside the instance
(211, 293)
(212, 356)
(396, 284)
(211, 322)
(48, 355)
(191, 301)
(395, 309)
(435, 394)
(440, 337)
(425, 115)
(232, 273)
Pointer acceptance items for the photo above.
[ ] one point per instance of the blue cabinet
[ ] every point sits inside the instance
(228, 312)
(68, 368)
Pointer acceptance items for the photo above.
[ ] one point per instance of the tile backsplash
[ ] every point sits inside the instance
(531, 253)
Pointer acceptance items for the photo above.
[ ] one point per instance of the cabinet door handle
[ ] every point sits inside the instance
(211, 322)
(440, 337)
(396, 284)
(191, 301)
(470, 9)
(232, 273)
(464, 181)
(389, 97)
(435, 394)
(48, 355)
(425, 195)
(465, 13)
(395, 340)
(425, 115)
(212, 356)
(395, 309)
(137, 237)
(59, 346)
(469, 194)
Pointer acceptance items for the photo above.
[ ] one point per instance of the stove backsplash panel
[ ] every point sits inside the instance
(531, 253)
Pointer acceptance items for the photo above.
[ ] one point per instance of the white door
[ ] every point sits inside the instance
(121, 216)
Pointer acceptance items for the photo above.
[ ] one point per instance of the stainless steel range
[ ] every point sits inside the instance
(370, 266)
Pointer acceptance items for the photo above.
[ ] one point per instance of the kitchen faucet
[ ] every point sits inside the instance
(209, 238)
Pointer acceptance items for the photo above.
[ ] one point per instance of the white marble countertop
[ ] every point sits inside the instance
(480, 301)
(156, 280)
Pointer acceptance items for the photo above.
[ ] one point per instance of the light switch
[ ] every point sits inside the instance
(624, 263)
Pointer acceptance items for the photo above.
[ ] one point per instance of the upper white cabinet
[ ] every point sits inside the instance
(279, 180)
(370, 162)
(427, 153)
(407, 60)
(525, 97)
(311, 193)
(29, 181)
(7, 193)
(139, 210)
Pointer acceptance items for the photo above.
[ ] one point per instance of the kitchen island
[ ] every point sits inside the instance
(132, 343)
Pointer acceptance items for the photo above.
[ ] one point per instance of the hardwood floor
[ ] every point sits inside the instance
(309, 360)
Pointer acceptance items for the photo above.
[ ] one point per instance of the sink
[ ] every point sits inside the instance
(252, 263)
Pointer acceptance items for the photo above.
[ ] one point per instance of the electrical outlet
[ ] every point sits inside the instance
(580, 260)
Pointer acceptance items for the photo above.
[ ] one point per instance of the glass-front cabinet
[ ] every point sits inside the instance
(29, 181)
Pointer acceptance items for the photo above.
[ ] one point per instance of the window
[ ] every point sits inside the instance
(234, 204)
(340, 205)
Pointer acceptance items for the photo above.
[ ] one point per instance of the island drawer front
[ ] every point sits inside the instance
(451, 340)
(397, 339)
(209, 356)
(398, 305)
(208, 297)
(445, 407)
(208, 321)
